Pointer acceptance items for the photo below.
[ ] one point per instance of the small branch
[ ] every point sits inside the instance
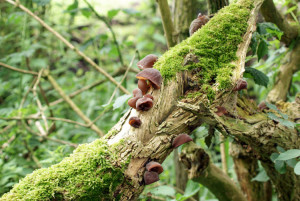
(18, 70)
(68, 44)
(73, 105)
(167, 21)
(38, 100)
(223, 154)
(120, 71)
(49, 118)
(48, 138)
(271, 14)
(105, 20)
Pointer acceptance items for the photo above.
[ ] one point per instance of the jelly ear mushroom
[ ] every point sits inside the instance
(147, 62)
(154, 167)
(143, 86)
(149, 96)
(221, 111)
(241, 84)
(151, 74)
(150, 177)
(135, 122)
(137, 93)
(132, 102)
(181, 139)
(144, 104)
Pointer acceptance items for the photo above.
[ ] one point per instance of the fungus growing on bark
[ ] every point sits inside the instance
(262, 106)
(135, 122)
(154, 167)
(221, 111)
(143, 86)
(150, 177)
(198, 23)
(181, 139)
(151, 74)
(147, 62)
(137, 93)
(144, 104)
(132, 102)
(241, 84)
(149, 96)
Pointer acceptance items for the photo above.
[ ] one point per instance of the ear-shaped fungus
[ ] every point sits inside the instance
(143, 86)
(181, 139)
(147, 62)
(221, 111)
(154, 167)
(132, 102)
(137, 93)
(149, 96)
(135, 122)
(151, 74)
(241, 84)
(144, 104)
(150, 177)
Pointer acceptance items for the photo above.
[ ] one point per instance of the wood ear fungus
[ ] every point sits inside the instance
(143, 86)
(150, 177)
(151, 74)
(154, 167)
(147, 62)
(132, 102)
(144, 104)
(149, 96)
(137, 93)
(241, 84)
(135, 122)
(262, 106)
(221, 111)
(181, 139)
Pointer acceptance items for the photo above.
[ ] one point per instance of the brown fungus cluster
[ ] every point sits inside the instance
(153, 169)
(148, 77)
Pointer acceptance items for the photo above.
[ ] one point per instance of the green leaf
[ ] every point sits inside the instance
(262, 49)
(86, 12)
(297, 168)
(163, 190)
(261, 176)
(262, 28)
(292, 162)
(254, 42)
(274, 156)
(191, 188)
(280, 166)
(41, 2)
(112, 13)
(289, 154)
(259, 77)
(121, 101)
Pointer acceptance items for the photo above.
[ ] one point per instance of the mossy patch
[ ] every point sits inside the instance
(214, 45)
(90, 173)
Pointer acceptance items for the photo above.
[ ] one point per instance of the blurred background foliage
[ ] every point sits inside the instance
(111, 33)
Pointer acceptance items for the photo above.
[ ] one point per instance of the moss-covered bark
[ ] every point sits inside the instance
(112, 168)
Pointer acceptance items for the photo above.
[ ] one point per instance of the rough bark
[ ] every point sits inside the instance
(215, 5)
(202, 170)
(289, 66)
(245, 166)
(113, 167)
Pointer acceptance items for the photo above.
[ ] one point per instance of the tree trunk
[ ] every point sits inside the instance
(112, 168)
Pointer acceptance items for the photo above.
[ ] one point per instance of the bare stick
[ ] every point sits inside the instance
(48, 138)
(125, 75)
(167, 21)
(68, 44)
(223, 154)
(72, 104)
(49, 118)
(38, 100)
(18, 70)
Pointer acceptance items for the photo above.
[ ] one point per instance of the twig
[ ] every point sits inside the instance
(100, 115)
(68, 44)
(75, 93)
(223, 154)
(49, 118)
(104, 19)
(7, 128)
(73, 105)
(167, 21)
(25, 96)
(48, 138)
(38, 100)
(18, 70)
(114, 93)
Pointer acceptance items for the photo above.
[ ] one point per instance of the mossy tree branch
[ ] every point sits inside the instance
(113, 167)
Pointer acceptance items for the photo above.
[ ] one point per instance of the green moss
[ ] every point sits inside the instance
(194, 94)
(88, 174)
(111, 133)
(215, 46)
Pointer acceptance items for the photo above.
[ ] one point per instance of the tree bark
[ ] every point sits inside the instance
(112, 167)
